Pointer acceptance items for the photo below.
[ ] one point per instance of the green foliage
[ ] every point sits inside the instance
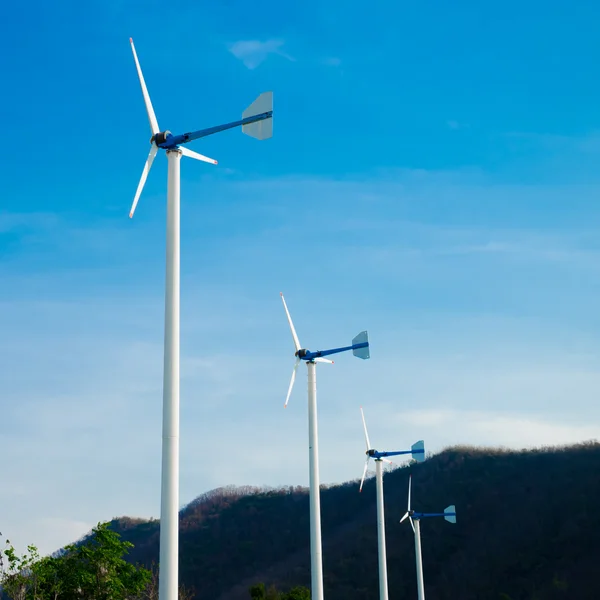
(297, 593)
(17, 573)
(94, 569)
(259, 592)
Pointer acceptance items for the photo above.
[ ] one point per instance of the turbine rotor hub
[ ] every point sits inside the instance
(302, 353)
(160, 138)
(371, 452)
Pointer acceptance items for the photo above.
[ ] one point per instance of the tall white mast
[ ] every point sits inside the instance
(316, 550)
(418, 453)
(383, 583)
(419, 559)
(360, 348)
(414, 518)
(169, 506)
(257, 121)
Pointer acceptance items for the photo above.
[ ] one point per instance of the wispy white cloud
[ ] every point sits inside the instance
(512, 430)
(254, 52)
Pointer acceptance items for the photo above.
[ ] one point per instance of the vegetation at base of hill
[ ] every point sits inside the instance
(93, 569)
(527, 530)
(260, 592)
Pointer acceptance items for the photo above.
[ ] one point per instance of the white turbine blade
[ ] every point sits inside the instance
(404, 517)
(364, 474)
(287, 312)
(323, 360)
(409, 484)
(147, 166)
(412, 525)
(292, 382)
(149, 109)
(365, 428)
(192, 154)
(387, 460)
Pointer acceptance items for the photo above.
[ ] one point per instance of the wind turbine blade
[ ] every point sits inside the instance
(147, 167)
(287, 312)
(322, 360)
(192, 154)
(404, 518)
(365, 428)
(292, 382)
(364, 474)
(149, 109)
(412, 525)
(409, 484)
(387, 460)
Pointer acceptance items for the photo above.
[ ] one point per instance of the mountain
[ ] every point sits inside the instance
(528, 525)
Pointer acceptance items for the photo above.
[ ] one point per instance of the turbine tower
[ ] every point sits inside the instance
(257, 121)
(418, 453)
(415, 519)
(360, 348)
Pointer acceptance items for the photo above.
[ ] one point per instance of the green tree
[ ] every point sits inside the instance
(96, 569)
(297, 593)
(17, 573)
(259, 592)
(92, 570)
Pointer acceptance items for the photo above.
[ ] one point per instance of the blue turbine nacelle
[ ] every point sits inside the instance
(308, 356)
(167, 141)
(163, 139)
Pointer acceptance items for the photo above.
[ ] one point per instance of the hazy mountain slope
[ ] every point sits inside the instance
(527, 527)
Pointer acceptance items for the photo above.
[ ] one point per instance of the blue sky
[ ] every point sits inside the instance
(433, 178)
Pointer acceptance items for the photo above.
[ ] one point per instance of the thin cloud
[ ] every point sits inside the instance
(254, 52)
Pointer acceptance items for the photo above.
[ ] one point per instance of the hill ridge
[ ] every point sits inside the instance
(512, 539)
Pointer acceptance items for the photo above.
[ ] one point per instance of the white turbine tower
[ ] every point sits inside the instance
(360, 348)
(257, 121)
(418, 453)
(415, 521)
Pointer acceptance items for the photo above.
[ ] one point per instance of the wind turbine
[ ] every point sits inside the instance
(257, 122)
(418, 453)
(415, 517)
(360, 348)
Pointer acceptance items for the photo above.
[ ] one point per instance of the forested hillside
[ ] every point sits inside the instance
(528, 526)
